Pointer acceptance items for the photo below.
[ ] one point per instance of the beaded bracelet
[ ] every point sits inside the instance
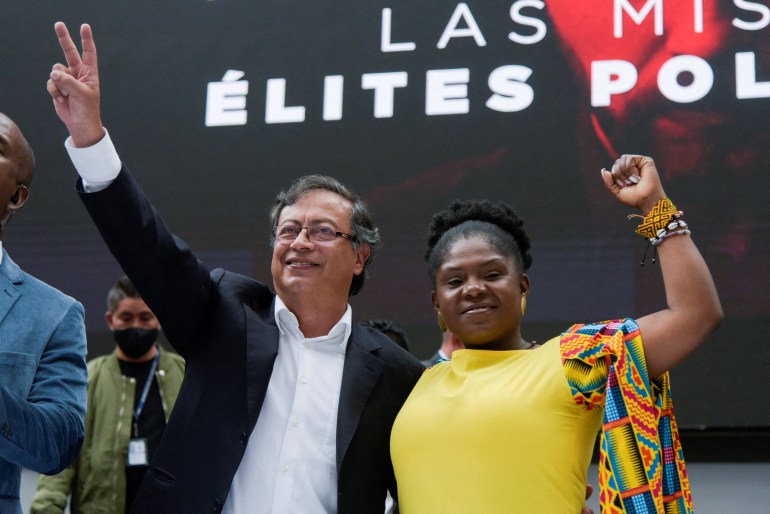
(676, 228)
(660, 223)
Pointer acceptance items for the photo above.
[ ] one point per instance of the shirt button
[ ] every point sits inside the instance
(285, 468)
(304, 380)
(295, 422)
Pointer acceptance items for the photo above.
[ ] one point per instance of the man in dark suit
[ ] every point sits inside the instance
(287, 404)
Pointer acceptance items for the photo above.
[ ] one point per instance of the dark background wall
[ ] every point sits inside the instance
(215, 184)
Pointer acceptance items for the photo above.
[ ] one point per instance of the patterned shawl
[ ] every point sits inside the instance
(641, 464)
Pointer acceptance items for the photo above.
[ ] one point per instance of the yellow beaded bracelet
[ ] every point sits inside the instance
(660, 223)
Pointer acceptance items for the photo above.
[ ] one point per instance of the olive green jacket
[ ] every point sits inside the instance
(96, 480)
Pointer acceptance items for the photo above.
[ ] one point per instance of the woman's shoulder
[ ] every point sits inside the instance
(606, 327)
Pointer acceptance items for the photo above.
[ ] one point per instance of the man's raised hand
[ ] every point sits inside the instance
(74, 87)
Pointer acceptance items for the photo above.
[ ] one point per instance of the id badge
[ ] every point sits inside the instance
(137, 452)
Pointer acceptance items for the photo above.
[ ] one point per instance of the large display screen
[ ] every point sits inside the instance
(216, 105)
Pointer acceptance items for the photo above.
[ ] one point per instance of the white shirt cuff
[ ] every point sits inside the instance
(98, 165)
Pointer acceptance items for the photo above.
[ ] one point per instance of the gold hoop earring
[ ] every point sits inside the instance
(523, 305)
(441, 322)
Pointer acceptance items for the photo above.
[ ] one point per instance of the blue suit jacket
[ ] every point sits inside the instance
(223, 325)
(42, 379)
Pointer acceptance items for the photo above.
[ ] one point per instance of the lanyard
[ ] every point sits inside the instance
(145, 391)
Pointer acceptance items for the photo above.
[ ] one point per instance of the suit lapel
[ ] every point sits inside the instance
(10, 275)
(359, 377)
(261, 351)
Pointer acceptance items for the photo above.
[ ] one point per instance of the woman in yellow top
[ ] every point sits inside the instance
(507, 426)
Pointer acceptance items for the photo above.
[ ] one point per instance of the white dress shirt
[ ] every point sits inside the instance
(97, 165)
(290, 463)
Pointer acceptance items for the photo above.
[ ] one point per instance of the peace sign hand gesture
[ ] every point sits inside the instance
(75, 87)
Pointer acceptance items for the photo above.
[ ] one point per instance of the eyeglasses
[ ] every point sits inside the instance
(316, 233)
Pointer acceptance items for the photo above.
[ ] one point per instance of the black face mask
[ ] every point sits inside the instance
(135, 342)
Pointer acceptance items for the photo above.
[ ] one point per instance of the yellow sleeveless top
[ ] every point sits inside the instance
(494, 432)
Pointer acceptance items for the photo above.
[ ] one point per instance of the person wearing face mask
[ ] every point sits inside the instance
(130, 396)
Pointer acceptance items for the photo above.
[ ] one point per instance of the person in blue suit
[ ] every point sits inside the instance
(42, 349)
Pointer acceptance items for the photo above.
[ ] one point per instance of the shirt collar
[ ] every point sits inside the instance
(1, 252)
(287, 323)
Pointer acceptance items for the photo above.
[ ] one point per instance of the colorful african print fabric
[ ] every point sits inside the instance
(641, 464)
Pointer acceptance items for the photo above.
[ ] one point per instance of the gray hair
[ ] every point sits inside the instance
(361, 222)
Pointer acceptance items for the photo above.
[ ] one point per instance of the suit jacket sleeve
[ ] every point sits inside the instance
(43, 429)
(171, 280)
